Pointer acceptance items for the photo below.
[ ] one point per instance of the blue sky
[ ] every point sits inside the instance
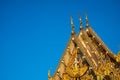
(34, 33)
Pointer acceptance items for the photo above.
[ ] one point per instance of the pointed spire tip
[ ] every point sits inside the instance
(87, 24)
(80, 18)
(72, 25)
(71, 20)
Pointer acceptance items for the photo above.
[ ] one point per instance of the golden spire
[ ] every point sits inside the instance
(87, 21)
(72, 25)
(49, 74)
(81, 27)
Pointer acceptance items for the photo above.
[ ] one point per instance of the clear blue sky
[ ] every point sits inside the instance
(34, 33)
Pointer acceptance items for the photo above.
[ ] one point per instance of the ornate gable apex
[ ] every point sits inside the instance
(86, 57)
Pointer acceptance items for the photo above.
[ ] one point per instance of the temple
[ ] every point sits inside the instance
(86, 57)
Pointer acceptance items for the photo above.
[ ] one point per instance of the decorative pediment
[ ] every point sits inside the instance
(86, 57)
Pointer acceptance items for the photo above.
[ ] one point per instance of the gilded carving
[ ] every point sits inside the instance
(89, 59)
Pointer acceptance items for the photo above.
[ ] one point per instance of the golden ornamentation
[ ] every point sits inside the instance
(87, 58)
(72, 25)
(81, 23)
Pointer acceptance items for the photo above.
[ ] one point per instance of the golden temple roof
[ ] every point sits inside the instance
(86, 57)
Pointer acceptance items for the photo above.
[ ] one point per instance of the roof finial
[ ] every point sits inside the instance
(72, 25)
(87, 24)
(49, 74)
(81, 27)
